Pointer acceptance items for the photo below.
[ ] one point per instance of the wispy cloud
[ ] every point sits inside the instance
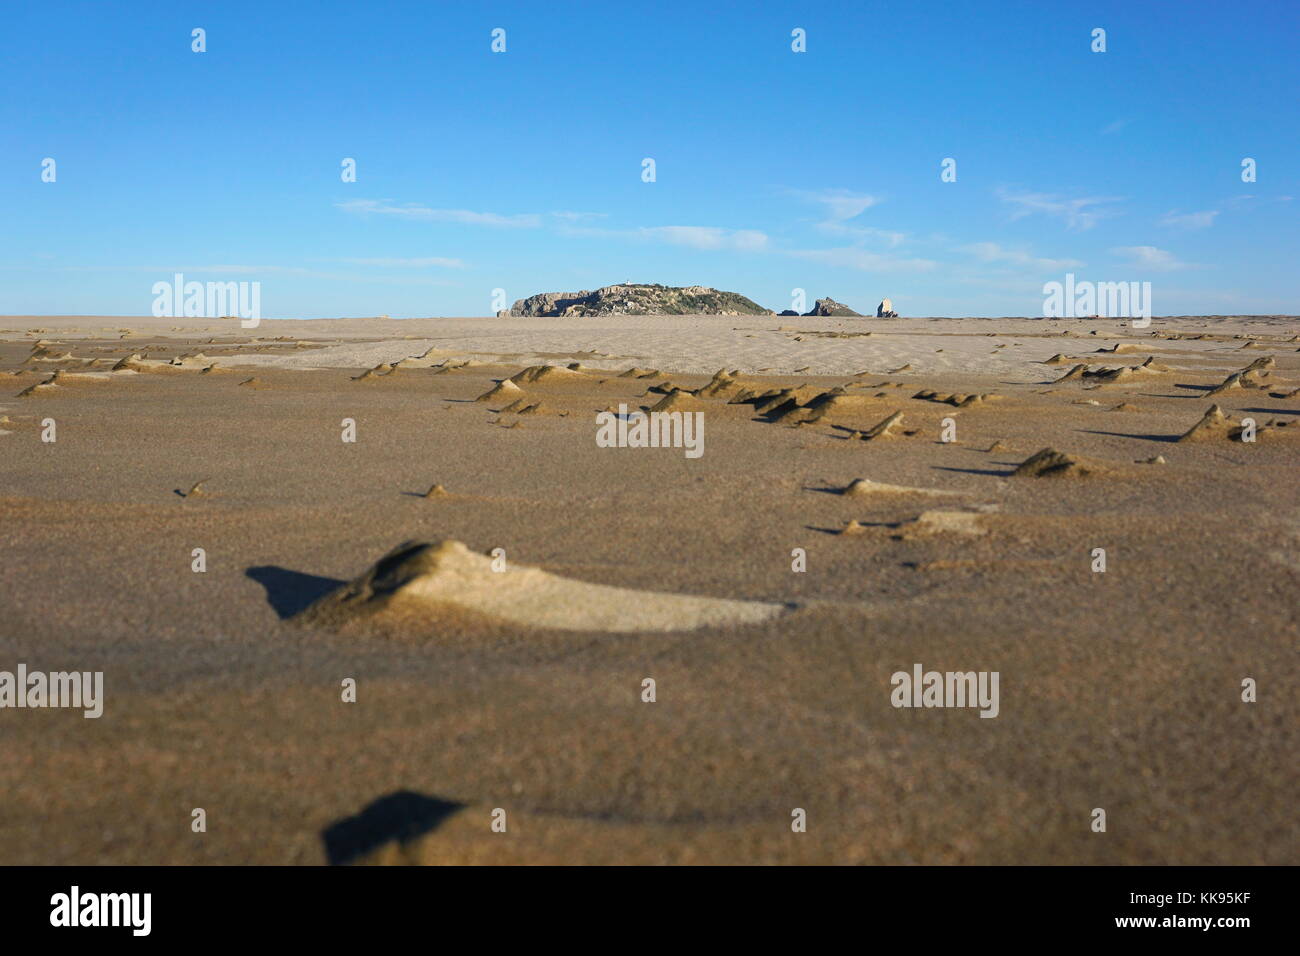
(1081, 213)
(1149, 257)
(992, 252)
(570, 216)
(839, 204)
(1112, 128)
(386, 207)
(1189, 220)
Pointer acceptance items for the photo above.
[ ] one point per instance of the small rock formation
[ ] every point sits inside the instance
(886, 310)
(829, 306)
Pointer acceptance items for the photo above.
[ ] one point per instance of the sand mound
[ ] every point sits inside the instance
(883, 427)
(1075, 372)
(428, 359)
(419, 584)
(522, 406)
(49, 355)
(786, 399)
(639, 373)
(942, 522)
(1249, 377)
(1110, 375)
(666, 387)
(1057, 359)
(546, 374)
(722, 383)
(754, 396)
(139, 363)
(1050, 462)
(1214, 425)
(191, 360)
(677, 400)
(457, 365)
(506, 389)
(39, 388)
(865, 488)
(836, 405)
(956, 399)
(379, 371)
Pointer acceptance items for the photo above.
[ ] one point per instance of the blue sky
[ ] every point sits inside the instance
(775, 170)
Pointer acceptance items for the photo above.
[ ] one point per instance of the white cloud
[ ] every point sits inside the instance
(840, 204)
(1149, 257)
(1080, 213)
(385, 207)
(571, 216)
(1189, 220)
(992, 252)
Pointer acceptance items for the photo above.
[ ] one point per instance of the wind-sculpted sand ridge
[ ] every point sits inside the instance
(417, 581)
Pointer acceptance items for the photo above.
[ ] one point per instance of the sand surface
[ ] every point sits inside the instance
(1119, 690)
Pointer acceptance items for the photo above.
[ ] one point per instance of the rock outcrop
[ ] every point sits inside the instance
(639, 300)
(829, 306)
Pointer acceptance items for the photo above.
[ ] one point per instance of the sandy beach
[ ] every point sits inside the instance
(521, 688)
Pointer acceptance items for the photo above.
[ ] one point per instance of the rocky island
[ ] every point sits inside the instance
(632, 299)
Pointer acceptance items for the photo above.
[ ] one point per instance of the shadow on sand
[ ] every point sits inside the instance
(403, 815)
(289, 592)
